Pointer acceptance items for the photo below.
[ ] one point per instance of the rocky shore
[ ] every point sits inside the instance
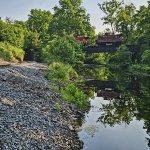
(29, 119)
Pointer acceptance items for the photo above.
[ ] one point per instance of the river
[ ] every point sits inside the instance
(119, 117)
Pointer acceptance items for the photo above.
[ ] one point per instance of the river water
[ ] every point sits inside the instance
(119, 117)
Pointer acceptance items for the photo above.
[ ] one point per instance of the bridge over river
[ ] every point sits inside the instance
(110, 48)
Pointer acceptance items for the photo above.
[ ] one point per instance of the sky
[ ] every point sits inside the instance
(19, 9)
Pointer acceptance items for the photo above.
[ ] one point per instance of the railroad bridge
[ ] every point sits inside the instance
(105, 43)
(108, 49)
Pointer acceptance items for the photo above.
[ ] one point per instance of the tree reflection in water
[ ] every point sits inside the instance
(133, 102)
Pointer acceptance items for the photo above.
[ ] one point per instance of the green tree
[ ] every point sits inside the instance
(11, 33)
(39, 21)
(111, 9)
(71, 17)
(63, 49)
(125, 21)
(143, 26)
(120, 17)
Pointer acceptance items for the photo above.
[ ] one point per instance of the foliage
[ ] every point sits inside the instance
(125, 21)
(60, 73)
(63, 49)
(120, 17)
(12, 33)
(99, 73)
(143, 25)
(97, 58)
(38, 22)
(122, 58)
(10, 53)
(71, 17)
(72, 94)
(111, 9)
(146, 57)
(140, 69)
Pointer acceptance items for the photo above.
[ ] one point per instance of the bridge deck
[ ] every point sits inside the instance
(103, 49)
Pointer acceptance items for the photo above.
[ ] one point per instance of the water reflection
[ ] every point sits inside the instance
(121, 107)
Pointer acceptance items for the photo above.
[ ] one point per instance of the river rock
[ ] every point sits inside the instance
(28, 119)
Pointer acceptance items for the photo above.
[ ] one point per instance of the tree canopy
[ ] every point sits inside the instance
(72, 18)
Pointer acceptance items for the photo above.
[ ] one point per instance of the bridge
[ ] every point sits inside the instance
(108, 49)
(106, 89)
(101, 85)
(105, 43)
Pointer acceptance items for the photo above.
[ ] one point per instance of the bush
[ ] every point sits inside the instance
(72, 94)
(10, 53)
(59, 72)
(63, 49)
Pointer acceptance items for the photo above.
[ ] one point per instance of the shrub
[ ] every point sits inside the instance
(72, 94)
(59, 72)
(63, 49)
(6, 55)
(10, 53)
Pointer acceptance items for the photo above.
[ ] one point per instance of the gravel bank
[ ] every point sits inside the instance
(28, 116)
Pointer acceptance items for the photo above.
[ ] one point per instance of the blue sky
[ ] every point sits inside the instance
(19, 9)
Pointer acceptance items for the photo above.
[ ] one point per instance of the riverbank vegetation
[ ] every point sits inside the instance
(50, 38)
(10, 53)
(133, 24)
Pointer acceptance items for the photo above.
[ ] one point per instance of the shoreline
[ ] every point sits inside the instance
(29, 118)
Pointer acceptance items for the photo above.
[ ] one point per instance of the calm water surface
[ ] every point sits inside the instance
(119, 118)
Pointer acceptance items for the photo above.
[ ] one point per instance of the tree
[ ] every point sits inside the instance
(110, 8)
(11, 33)
(125, 22)
(71, 17)
(120, 17)
(39, 21)
(143, 26)
(63, 49)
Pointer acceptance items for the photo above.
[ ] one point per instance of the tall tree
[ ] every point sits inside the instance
(71, 17)
(125, 21)
(11, 33)
(143, 24)
(120, 17)
(39, 21)
(111, 9)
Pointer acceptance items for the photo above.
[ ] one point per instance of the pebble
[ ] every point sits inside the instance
(27, 116)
